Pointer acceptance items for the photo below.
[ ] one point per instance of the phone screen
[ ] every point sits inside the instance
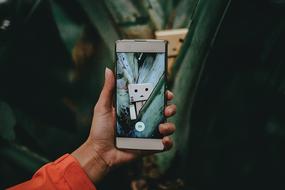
(140, 94)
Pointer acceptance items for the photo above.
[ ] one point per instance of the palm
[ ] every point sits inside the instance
(103, 133)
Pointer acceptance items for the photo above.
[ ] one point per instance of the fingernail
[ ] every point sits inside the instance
(107, 71)
(169, 111)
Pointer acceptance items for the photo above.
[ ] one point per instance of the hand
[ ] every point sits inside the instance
(98, 154)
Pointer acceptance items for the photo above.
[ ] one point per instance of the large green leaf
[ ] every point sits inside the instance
(206, 22)
(183, 13)
(22, 157)
(131, 18)
(7, 122)
(69, 29)
(100, 19)
(156, 13)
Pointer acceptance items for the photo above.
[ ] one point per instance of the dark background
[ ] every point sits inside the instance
(228, 81)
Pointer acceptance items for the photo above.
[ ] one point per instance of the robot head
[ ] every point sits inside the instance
(140, 92)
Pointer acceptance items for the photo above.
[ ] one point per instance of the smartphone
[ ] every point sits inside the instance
(140, 93)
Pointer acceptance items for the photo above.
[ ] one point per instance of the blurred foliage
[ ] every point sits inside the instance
(228, 81)
(7, 122)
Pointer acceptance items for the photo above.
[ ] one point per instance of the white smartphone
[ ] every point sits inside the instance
(140, 93)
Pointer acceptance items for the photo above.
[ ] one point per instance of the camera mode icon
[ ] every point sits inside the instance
(140, 126)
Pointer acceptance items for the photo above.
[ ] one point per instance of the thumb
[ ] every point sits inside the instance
(105, 102)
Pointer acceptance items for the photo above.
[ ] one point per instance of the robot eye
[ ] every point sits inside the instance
(146, 89)
(136, 90)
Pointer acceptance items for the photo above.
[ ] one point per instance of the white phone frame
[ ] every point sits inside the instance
(139, 45)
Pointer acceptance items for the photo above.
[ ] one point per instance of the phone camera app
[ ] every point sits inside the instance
(140, 126)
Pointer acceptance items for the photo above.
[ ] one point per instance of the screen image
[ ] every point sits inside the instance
(140, 94)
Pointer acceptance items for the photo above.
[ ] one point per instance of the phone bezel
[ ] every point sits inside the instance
(148, 46)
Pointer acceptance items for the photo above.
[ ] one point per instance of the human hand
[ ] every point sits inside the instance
(99, 154)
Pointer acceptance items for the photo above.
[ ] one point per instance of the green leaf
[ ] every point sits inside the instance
(202, 33)
(69, 30)
(22, 156)
(124, 11)
(100, 19)
(7, 122)
(183, 13)
(131, 18)
(156, 13)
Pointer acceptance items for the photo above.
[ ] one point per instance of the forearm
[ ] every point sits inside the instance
(91, 162)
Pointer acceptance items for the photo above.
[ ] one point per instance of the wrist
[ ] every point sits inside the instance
(91, 161)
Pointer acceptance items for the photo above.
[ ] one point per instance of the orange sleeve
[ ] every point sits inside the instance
(65, 174)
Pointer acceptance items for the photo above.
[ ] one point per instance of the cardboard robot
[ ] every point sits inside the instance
(139, 94)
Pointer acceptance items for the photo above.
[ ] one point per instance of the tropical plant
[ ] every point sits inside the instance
(228, 80)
